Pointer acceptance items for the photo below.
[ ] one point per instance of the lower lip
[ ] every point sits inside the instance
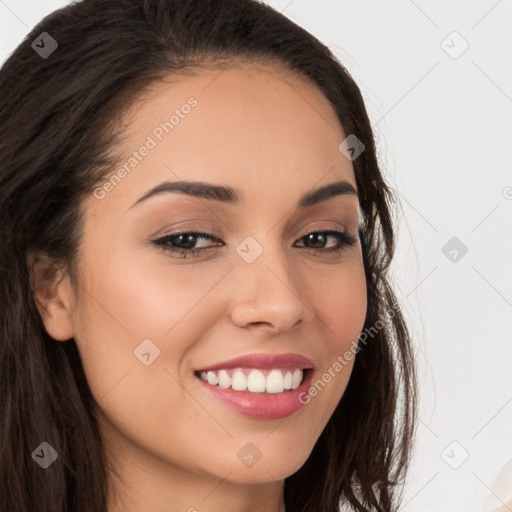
(264, 406)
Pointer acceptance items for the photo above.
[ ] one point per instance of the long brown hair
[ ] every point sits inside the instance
(57, 134)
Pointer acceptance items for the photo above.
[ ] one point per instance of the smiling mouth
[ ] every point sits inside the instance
(255, 380)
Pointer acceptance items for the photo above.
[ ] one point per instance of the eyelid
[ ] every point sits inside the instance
(209, 232)
(212, 232)
(344, 238)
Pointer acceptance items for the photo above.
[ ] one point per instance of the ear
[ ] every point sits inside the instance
(51, 288)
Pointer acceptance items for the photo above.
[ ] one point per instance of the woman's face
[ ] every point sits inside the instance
(148, 321)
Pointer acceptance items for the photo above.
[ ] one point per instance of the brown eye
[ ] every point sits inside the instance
(182, 242)
(319, 238)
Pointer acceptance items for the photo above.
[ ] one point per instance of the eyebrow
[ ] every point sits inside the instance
(230, 196)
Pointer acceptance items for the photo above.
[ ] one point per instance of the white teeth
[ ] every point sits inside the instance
(239, 381)
(211, 378)
(224, 379)
(288, 380)
(276, 381)
(256, 381)
(296, 378)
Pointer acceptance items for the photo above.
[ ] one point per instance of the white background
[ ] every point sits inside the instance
(444, 139)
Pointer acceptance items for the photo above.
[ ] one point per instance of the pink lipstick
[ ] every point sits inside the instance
(262, 386)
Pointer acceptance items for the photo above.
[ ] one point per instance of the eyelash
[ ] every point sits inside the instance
(343, 237)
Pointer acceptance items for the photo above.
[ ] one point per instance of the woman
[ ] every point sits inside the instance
(196, 312)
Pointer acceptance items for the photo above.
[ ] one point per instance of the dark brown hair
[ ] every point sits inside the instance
(57, 120)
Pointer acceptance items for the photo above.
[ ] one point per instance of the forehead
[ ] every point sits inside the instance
(261, 130)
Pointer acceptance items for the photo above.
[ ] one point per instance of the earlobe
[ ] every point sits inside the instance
(52, 295)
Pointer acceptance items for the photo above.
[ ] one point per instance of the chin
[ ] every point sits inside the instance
(275, 468)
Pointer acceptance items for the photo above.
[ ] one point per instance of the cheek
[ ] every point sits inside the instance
(145, 298)
(127, 301)
(123, 307)
(340, 302)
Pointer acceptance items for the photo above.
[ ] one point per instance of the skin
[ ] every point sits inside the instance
(273, 137)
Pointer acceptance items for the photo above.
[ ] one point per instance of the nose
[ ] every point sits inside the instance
(267, 294)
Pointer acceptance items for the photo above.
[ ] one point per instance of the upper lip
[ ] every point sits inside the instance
(263, 361)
